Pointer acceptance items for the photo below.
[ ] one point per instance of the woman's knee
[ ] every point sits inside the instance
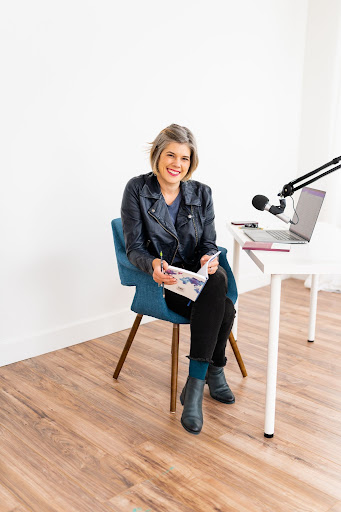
(230, 311)
(219, 279)
(230, 306)
(215, 289)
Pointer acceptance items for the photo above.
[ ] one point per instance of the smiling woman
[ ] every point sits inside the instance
(167, 212)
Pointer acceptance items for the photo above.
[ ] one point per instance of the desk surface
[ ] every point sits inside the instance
(322, 255)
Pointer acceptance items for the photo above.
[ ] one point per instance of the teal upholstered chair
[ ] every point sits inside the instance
(148, 300)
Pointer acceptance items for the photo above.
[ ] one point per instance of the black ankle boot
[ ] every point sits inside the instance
(219, 389)
(191, 399)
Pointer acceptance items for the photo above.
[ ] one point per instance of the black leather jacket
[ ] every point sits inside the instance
(148, 227)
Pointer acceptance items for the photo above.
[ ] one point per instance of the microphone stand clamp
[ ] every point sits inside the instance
(276, 210)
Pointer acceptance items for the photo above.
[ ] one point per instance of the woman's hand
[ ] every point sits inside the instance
(160, 277)
(212, 266)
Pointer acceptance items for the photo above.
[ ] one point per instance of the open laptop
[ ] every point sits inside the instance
(304, 220)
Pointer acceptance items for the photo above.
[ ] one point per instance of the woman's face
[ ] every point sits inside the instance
(174, 163)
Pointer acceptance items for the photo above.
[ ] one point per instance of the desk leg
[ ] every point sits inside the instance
(271, 378)
(313, 306)
(235, 269)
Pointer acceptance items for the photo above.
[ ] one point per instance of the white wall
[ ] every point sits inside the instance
(85, 86)
(320, 139)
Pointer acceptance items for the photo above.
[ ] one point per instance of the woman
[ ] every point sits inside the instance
(166, 211)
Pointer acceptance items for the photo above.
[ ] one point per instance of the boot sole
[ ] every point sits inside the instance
(222, 401)
(190, 431)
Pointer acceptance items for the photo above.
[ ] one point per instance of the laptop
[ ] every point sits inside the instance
(304, 221)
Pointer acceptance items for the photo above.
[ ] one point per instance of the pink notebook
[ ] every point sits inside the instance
(266, 246)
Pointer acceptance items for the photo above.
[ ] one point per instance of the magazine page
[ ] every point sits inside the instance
(189, 284)
(204, 269)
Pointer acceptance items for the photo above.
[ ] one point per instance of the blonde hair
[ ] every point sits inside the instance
(174, 133)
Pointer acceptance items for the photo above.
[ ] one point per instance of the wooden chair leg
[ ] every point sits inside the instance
(237, 354)
(127, 345)
(175, 362)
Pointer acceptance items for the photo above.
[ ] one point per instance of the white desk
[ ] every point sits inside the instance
(321, 256)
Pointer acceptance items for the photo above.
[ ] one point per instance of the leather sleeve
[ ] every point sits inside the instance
(133, 228)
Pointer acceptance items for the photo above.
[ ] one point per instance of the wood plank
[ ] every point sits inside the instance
(290, 422)
(138, 381)
(37, 483)
(305, 466)
(147, 497)
(312, 372)
(73, 412)
(153, 468)
(70, 453)
(266, 486)
(8, 501)
(336, 507)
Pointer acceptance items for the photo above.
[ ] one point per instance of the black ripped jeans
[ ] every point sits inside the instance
(211, 318)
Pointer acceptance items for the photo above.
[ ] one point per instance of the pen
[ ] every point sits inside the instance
(163, 284)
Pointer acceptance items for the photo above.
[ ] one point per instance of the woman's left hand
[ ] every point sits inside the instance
(159, 276)
(213, 265)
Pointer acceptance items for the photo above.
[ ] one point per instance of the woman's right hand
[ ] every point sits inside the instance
(160, 277)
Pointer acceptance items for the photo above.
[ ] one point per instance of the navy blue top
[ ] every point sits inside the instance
(174, 207)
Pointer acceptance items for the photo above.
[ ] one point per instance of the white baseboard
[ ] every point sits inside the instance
(66, 336)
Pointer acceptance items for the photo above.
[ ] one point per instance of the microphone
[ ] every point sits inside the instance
(262, 203)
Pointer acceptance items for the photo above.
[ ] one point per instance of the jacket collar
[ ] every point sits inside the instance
(151, 189)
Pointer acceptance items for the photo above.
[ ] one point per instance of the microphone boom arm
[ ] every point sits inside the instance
(289, 188)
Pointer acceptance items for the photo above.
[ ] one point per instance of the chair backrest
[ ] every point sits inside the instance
(232, 291)
(126, 269)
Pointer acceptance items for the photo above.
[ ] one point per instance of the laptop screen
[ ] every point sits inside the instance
(307, 212)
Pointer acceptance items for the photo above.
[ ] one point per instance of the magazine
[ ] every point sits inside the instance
(189, 284)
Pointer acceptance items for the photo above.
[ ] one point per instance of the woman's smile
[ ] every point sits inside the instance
(173, 172)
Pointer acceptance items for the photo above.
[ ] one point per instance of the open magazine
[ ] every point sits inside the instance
(189, 284)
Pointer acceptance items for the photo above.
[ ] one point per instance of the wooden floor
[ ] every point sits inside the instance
(72, 439)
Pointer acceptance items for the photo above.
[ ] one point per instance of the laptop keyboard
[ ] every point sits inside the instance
(282, 235)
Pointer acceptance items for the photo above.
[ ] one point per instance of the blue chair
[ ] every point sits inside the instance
(148, 300)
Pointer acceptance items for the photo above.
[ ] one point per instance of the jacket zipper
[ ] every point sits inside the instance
(177, 241)
(195, 229)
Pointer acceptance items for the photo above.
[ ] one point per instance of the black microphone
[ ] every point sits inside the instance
(262, 203)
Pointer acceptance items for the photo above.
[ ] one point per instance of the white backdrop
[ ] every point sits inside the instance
(320, 139)
(85, 86)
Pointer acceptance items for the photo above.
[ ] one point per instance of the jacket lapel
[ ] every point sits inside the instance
(189, 193)
(158, 209)
(189, 199)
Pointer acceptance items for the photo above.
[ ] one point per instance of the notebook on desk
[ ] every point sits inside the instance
(303, 221)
